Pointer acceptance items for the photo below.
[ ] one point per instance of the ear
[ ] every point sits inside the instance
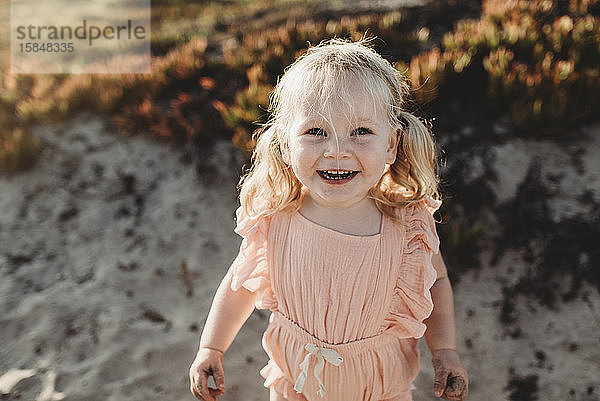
(392, 149)
(285, 153)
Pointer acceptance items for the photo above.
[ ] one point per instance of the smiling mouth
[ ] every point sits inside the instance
(337, 174)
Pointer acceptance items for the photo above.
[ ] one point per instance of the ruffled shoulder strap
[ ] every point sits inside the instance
(250, 268)
(421, 224)
(412, 303)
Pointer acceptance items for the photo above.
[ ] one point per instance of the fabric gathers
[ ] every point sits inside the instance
(322, 355)
(355, 304)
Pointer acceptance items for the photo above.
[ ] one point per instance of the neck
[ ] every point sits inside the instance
(365, 205)
(363, 214)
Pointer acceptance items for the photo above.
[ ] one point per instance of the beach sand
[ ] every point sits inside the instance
(112, 248)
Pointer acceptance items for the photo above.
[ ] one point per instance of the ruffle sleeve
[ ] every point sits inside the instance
(250, 268)
(274, 377)
(411, 302)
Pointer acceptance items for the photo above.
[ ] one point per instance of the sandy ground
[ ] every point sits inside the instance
(111, 250)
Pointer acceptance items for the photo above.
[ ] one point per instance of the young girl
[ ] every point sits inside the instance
(338, 238)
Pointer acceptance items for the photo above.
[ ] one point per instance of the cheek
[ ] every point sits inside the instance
(371, 151)
(302, 166)
(374, 159)
(303, 154)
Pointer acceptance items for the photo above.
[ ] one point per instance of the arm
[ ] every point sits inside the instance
(441, 331)
(450, 381)
(228, 313)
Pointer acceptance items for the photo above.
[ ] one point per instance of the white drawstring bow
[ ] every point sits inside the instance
(322, 354)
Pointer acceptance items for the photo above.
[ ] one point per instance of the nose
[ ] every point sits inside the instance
(336, 149)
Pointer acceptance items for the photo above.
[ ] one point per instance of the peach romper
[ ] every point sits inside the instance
(346, 311)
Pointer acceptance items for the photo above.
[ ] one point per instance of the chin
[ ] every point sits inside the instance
(339, 201)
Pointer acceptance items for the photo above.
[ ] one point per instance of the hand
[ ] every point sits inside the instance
(208, 363)
(450, 381)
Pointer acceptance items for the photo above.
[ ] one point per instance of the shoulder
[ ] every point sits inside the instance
(249, 219)
(420, 208)
(420, 224)
(427, 205)
(260, 218)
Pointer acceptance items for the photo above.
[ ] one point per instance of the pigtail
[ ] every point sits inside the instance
(416, 161)
(270, 179)
(411, 178)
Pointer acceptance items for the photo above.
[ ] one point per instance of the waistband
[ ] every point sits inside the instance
(349, 348)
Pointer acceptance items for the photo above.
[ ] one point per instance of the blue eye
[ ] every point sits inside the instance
(316, 132)
(362, 131)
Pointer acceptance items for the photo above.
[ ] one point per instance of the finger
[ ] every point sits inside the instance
(440, 378)
(456, 388)
(195, 389)
(215, 392)
(219, 377)
(203, 388)
(439, 384)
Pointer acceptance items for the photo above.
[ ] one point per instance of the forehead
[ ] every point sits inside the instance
(349, 97)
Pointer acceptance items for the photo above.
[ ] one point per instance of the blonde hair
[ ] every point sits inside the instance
(323, 71)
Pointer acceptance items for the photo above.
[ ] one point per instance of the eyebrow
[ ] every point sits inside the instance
(364, 120)
(321, 120)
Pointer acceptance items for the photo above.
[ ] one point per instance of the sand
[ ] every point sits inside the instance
(112, 247)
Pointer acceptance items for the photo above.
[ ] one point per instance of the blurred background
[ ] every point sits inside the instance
(118, 192)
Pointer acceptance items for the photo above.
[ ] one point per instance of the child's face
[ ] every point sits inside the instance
(341, 157)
